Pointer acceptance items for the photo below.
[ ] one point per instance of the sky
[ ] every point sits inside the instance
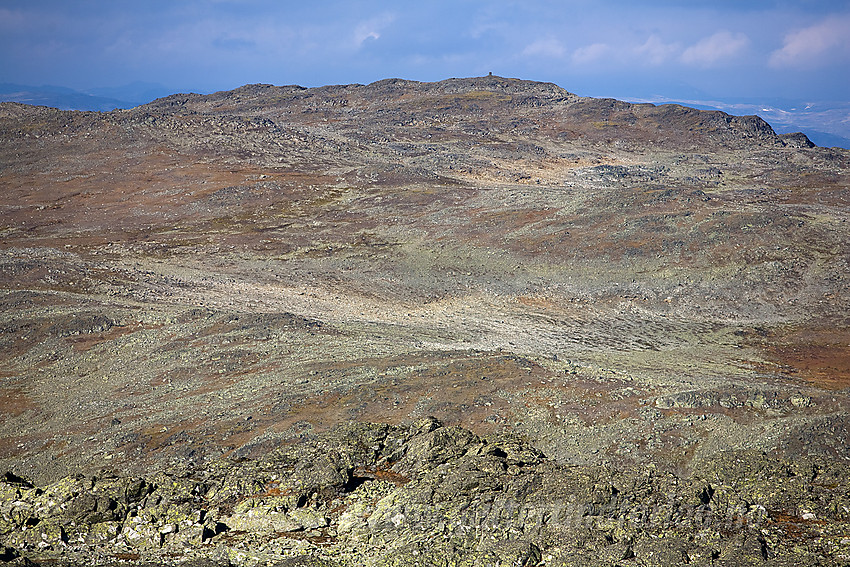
(719, 49)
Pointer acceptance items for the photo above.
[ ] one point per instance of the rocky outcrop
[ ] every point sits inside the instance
(797, 140)
(431, 494)
(734, 398)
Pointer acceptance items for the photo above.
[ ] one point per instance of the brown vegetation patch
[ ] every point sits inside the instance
(594, 401)
(509, 220)
(818, 356)
(13, 401)
(159, 435)
(16, 445)
(467, 391)
(83, 343)
(795, 527)
(109, 197)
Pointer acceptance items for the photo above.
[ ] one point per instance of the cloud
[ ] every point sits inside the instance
(712, 49)
(362, 33)
(545, 48)
(655, 52)
(815, 45)
(371, 29)
(591, 53)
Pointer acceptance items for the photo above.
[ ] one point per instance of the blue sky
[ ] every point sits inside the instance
(695, 49)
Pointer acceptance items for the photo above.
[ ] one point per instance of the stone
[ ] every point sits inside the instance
(103, 532)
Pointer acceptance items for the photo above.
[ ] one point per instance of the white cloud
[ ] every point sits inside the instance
(655, 52)
(362, 33)
(591, 53)
(815, 45)
(371, 29)
(712, 49)
(545, 48)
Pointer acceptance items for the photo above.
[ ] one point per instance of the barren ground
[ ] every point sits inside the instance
(212, 277)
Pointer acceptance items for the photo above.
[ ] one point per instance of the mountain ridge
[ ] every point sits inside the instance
(46, 96)
(529, 91)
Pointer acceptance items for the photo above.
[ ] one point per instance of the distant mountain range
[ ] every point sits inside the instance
(101, 99)
(825, 123)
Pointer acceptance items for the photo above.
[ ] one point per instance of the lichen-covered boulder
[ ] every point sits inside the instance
(428, 494)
